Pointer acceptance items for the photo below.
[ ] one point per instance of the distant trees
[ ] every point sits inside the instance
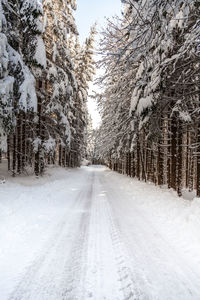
(85, 69)
(92, 144)
(43, 114)
(152, 85)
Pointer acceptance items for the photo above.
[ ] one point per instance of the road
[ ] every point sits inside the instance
(106, 247)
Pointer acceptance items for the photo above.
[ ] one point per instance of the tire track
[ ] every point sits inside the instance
(146, 249)
(75, 270)
(108, 254)
(131, 283)
(128, 281)
(39, 279)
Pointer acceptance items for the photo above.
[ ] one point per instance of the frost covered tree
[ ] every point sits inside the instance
(91, 141)
(42, 116)
(59, 82)
(67, 64)
(83, 57)
(6, 84)
(19, 97)
(151, 58)
(34, 55)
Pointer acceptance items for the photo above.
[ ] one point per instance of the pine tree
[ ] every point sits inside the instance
(149, 104)
(61, 84)
(41, 114)
(83, 57)
(22, 95)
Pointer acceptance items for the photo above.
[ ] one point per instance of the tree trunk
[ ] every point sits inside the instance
(159, 166)
(138, 160)
(37, 155)
(179, 159)
(19, 144)
(8, 152)
(14, 156)
(173, 155)
(24, 141)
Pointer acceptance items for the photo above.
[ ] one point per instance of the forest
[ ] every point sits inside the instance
(150, 106)
(149, 99)
(44, 75)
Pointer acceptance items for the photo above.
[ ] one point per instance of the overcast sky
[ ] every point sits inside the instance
(88, 12)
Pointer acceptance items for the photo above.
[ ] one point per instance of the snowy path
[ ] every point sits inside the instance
(95, 238)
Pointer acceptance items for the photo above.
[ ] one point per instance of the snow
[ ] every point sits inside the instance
(40, 54)
(184, 116)
(64, 121)
(140, 71)
(49, 144)
(90, 233)
(6, 88)
(144, 104)
(36, 144)
(135, 98)
(52, 71)
(55, 52)
(33, 5)
(45, 21)
(3, 54)
(28, 98)
(3, 139)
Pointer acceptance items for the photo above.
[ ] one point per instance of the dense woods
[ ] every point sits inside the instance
(44, 75)
(150, 106)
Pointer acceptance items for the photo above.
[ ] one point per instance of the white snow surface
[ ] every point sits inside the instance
(90, 233)
(3, 139)
(40, 54)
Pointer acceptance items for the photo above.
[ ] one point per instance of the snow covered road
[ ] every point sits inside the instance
(94, 234)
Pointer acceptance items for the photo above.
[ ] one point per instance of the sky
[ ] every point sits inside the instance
(88, 12)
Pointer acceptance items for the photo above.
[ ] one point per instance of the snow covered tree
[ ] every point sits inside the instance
(151, 59)
(91, 142)
(6, 84)
(42, 116)
(83, 57)
(21, 94)
(58, 83)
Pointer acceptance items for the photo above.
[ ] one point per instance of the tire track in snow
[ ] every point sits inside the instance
(76, 268)
(39, 281)
(128, 281)
(97, 252)
(152, 257)
(132, 280)
(107, 254)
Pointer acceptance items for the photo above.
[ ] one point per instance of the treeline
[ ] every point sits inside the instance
(44, 76)
(150, 106)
